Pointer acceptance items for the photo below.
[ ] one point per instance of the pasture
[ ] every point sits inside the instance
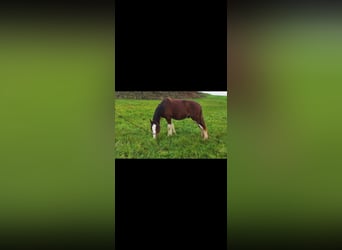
(133, 136)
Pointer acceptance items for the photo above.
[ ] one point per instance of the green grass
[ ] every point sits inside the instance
(133, 137)
(56, 128)
(286, 170)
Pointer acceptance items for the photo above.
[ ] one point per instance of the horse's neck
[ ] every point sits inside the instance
(157, 115)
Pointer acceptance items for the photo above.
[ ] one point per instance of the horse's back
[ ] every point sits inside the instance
(180, 102)
(180, 108)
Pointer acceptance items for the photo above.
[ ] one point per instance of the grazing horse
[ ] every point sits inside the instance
(177, 109)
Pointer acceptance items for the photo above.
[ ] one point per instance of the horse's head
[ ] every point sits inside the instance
(155, 128)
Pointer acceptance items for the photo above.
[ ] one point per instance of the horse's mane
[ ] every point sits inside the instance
(158, 110)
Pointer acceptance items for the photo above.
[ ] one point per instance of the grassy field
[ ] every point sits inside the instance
(133, 137)
(56, 130)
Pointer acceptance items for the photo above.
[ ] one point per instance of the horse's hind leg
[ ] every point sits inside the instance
(201, 124)
(204, 132)
(203, 127)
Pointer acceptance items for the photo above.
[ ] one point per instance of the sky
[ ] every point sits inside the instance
(216, 92)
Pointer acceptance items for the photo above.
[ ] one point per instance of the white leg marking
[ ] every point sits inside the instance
(204, 133)
(169, 129)
(173, 128)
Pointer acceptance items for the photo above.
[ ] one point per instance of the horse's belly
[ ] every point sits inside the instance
(180, 117)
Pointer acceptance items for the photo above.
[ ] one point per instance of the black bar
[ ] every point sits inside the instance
(171, 47)
(162, 204)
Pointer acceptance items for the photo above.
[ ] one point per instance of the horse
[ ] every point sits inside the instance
(177, 109)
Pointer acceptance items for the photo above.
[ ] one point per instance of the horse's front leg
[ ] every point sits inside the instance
(173, 128)
(169, 127)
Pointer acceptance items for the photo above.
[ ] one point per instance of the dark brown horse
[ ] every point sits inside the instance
(177, 109)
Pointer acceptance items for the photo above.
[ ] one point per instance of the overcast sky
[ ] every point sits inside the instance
(215, 92)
